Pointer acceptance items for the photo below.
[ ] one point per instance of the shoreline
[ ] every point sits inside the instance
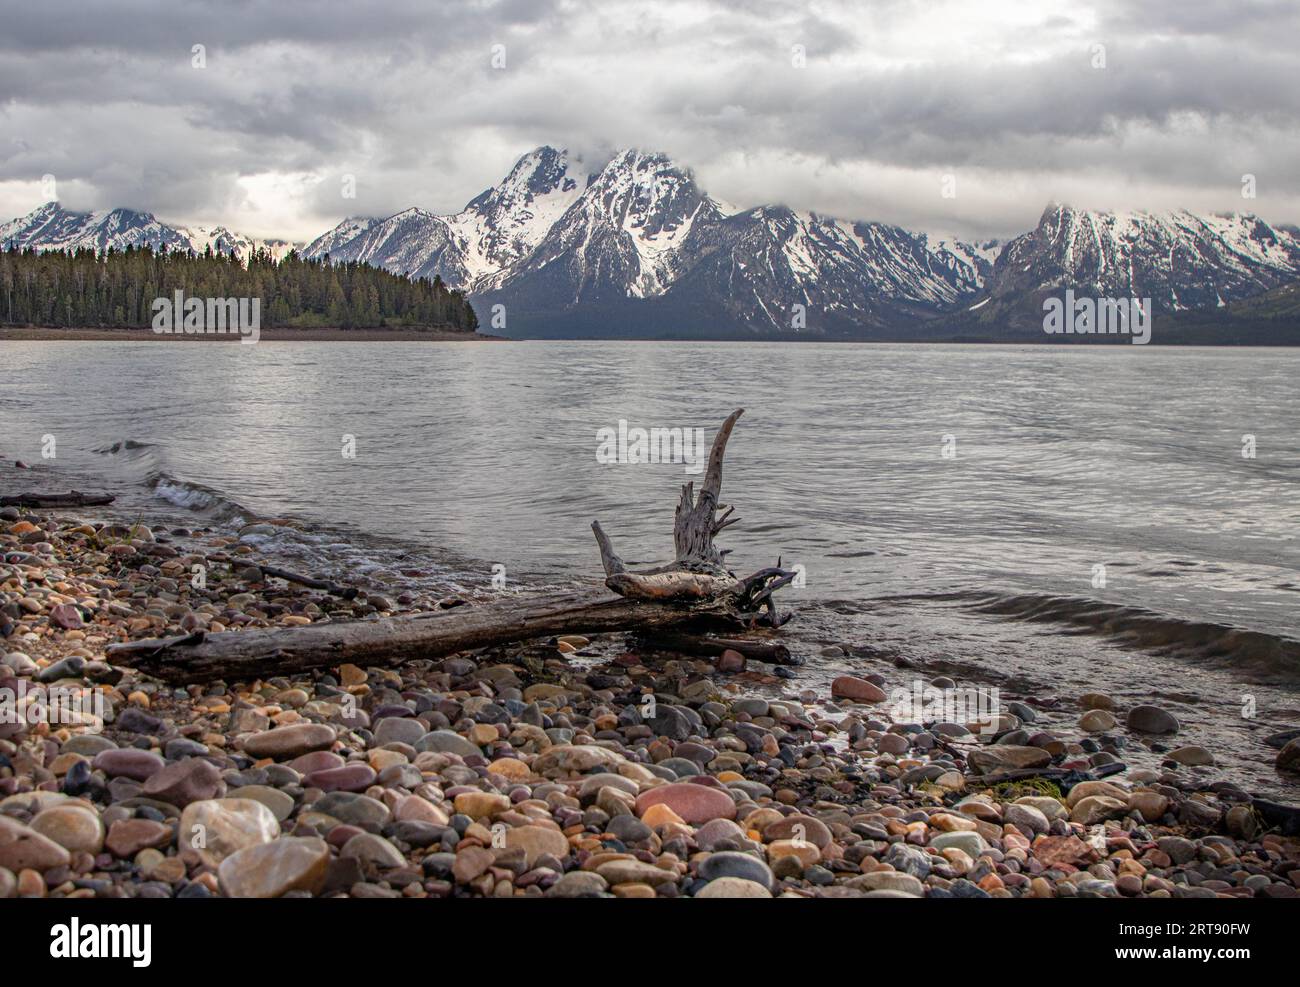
(534, 770)
(44, 333)
(326, 334)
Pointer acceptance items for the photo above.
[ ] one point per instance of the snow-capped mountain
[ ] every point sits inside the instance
(505, 223)
(223, 241)
(494, 231)
(622, 238)
(51, 227)
(1179, 260)
(413, 242)
(635, 247)
(331, 241)
(552, 241)
(799, 271)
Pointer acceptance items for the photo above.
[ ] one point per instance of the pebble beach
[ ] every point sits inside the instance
(569, 767)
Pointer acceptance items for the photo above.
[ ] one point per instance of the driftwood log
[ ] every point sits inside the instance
(696, 591)
(332, 588)
(73, 498)
(691, 644)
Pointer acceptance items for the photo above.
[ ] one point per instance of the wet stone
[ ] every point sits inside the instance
(1152, 719)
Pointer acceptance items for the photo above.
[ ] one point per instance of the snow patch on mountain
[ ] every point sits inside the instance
(331, 240)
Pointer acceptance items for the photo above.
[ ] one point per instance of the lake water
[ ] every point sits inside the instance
(1059, 519)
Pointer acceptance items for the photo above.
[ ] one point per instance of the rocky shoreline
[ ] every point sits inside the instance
(566, 768)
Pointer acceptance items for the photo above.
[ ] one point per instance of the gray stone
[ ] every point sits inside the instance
(970, 843)
(400, 730)
(730, 863)
(353, 808)
(373, 849)
(578, 884)
(448, 742)
(1152, 719)
(908, 859)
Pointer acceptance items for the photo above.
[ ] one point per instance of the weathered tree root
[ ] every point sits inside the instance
(698, 572)
(696, 591)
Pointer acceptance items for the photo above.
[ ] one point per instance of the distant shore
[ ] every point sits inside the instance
(412, 334)
(325, 334)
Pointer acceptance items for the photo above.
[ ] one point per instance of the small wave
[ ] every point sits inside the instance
(124, 445)
(132, 460)
(145, 464)
(1148, 630)
(212, 504)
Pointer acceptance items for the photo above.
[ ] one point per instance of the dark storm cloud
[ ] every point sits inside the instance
(879, 101)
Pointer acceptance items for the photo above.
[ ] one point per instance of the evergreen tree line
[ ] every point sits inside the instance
(86, 288)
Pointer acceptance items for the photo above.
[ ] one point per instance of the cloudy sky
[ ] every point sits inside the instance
(858, 109)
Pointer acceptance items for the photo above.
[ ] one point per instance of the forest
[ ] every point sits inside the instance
(86, 288)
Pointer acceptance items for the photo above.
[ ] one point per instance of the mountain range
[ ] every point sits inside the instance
(51, 227)
(635, 248)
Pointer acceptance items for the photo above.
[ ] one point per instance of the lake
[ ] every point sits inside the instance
(1069, 518)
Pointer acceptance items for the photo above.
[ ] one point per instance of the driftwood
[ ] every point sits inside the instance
(1283, 818)
(262, 652)
(1066, 778)
(694, 591)
(333, 589)
(72, 498)
(769, 651)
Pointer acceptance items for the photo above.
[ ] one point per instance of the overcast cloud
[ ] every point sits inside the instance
(892, 96)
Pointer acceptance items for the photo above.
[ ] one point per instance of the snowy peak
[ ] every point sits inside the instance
(616, 228)
(506, 222)
(1178, 259)
(413, 242)
(332, 240)
(647, 195)
(495, 230)
(224, 241)
(623, 236)
(51, 227)
(536, 177)
(773, 268)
